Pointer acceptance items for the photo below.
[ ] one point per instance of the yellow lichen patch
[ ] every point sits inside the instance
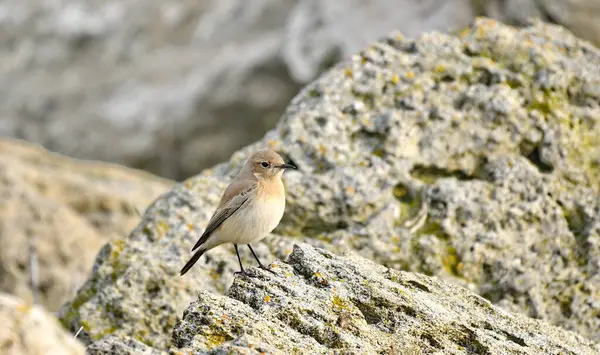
(118, 245)
(102, 332)
(465, 32)
(273, 143)
(451, 262)
(85, 325)
(320, 278)
(460, 267)
(215, 340)
(399, 191)
(490, 22)
(162, 228)
(339, 303)
(479, 33)
(23, 308)
(267, 298)
(348, 72)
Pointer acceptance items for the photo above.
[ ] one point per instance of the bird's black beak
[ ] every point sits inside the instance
(287, 166)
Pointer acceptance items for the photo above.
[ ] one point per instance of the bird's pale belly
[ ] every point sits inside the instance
(252, 222)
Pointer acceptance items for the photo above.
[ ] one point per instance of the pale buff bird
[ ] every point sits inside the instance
(250, 208)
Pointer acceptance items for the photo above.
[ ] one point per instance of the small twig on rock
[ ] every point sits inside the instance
(79, 331)
(414, 223)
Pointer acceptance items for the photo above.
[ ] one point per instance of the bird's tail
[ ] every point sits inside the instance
(192, 261)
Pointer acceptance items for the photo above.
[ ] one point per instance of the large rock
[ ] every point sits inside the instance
(318, 303)
(474, 158)
(31, 330)
(55, 215)
(175, 86)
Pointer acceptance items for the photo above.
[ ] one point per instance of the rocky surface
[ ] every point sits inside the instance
(113, 345)
(55, 215)
(31, 330)
(179, 85)
(488, 141)
(317, 303)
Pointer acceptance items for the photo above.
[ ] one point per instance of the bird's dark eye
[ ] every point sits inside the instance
(264, 164)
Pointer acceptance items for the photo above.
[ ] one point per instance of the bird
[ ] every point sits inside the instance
(250, 207)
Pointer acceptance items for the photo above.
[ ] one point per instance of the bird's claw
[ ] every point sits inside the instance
(240, 273)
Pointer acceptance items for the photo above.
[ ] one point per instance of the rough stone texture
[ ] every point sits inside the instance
(112, 345)
(496, 131)
(156, 84)
(318, 302)
(30, 330)
(66, 210)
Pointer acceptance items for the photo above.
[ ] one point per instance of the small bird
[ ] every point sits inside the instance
(250, 208)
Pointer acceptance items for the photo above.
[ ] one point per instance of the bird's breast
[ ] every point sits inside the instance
(269, 212)
(254, 221)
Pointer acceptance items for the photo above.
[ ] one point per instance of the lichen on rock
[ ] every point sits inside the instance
(319, 303)
(495, 130)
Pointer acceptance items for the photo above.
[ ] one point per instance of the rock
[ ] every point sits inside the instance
(66, 210)
(112, 345)
(470, 157)
(318, 303)
(178, 86)
(28, 329)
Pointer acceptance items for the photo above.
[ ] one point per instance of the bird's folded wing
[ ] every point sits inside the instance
(234, 198)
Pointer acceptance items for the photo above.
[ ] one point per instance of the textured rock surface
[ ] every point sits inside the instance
(66, 210)
(319, 302)
(496, 131)
(165, 80)
(31, 330)
(112, 345)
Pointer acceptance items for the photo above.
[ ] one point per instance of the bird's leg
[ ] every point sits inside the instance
(243, 272)
(259, 263)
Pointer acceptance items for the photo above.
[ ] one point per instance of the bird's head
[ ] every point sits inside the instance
(265, 164)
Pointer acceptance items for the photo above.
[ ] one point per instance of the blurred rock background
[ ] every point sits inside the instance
(173, 87)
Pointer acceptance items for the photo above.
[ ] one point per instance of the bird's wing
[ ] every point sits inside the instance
(234, 197)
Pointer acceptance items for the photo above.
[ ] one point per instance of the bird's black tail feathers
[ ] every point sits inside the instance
(192, 261)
